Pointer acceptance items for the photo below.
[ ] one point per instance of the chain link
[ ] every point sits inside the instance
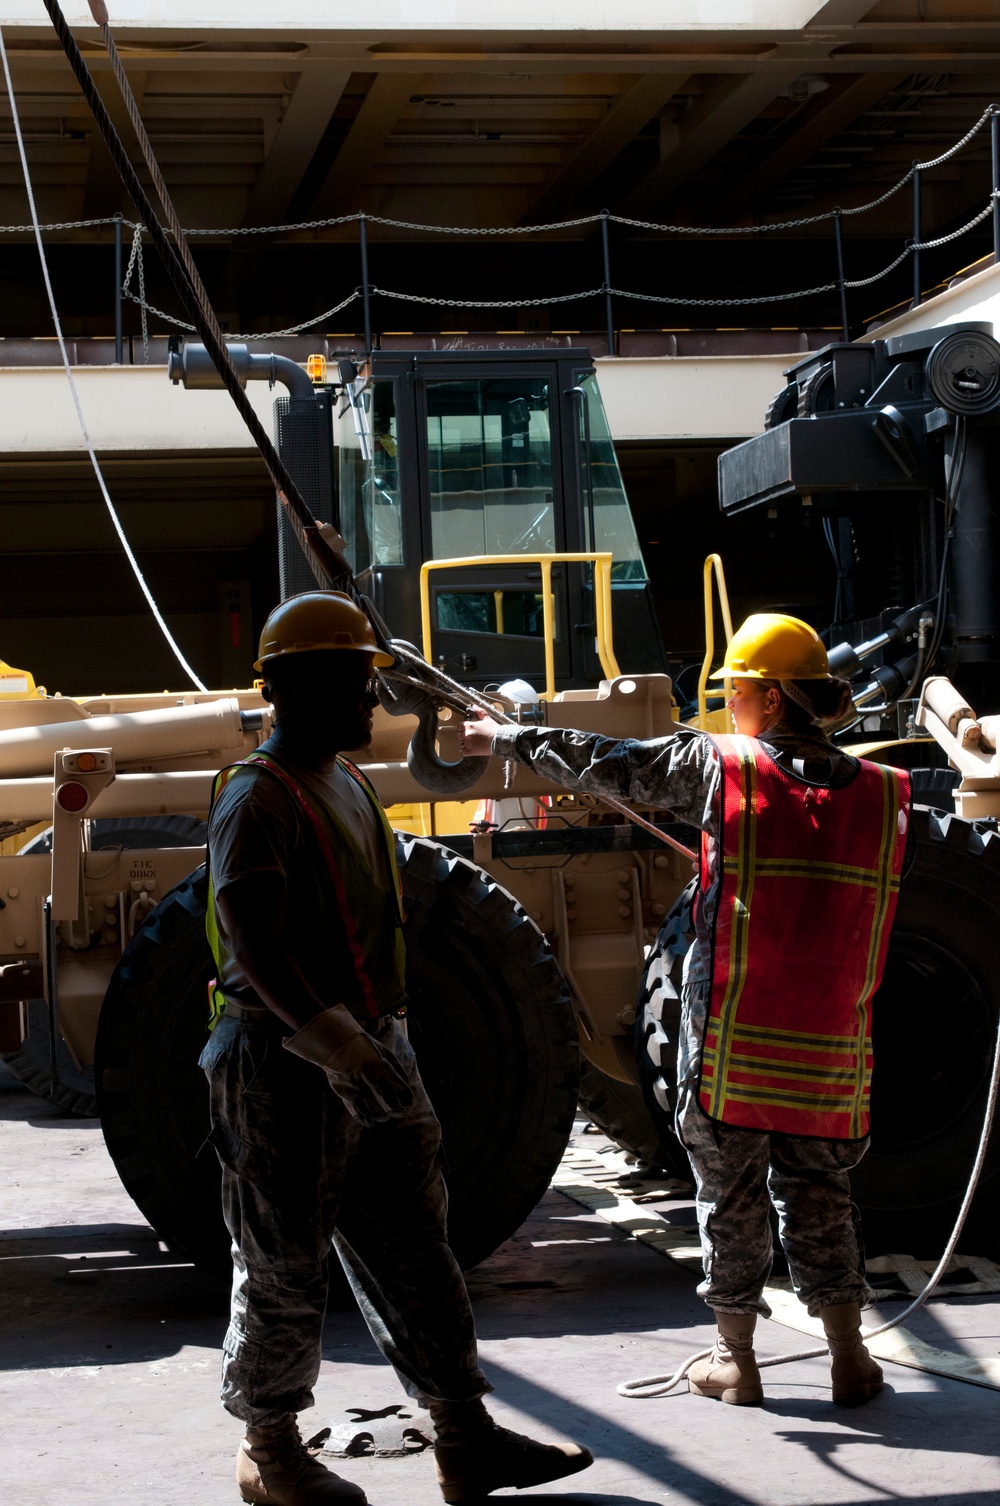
(519, 303)
(943, 240)
(586, 219)
(722, 303)
(814, 219)
(136, 266)
(62, 225)
(489, 303)
(866, 282)
(234, 231)
(271, 334)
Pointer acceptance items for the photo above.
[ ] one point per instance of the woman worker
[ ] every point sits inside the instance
(802, 851)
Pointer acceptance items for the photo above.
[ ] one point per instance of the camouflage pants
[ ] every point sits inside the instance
(300, 1175)
(738, 1174)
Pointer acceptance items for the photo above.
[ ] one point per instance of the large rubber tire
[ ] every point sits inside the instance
(618, 1109)
(490, 1021)
(74, 1092)
(935, 1021)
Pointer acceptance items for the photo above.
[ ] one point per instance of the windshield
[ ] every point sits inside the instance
(613, 525)
(490, 461)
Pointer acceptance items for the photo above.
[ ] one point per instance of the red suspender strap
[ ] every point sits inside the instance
(263, 761)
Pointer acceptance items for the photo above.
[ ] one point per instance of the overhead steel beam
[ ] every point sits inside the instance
(102, 188)
(382, 107)
(845, 102)
(309, 112)
(632, 110)
(721, 113)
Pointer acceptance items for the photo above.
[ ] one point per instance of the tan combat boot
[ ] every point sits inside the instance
(856, 1376)
(730, 1373)
(474, 1457)
(274, 1468)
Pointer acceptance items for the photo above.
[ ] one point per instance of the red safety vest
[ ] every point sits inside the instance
(807, 893)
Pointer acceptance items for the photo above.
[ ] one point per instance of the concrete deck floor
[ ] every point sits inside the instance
(109, 1353)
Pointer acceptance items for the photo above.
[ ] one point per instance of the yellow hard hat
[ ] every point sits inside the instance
(773, 646)
(318, 621)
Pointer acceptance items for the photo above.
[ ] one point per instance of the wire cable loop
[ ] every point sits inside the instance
(659, 1385)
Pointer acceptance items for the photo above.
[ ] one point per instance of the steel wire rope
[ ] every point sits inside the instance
(334, 566)
(88, 442)
(659, 1385)
(329, 567)
(462, 698)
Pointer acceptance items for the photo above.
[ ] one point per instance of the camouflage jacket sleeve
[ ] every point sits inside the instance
(679, 773)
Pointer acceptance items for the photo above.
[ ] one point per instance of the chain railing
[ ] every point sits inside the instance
(365, 291)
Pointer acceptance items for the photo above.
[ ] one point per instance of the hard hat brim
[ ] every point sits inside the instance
(755, 674)
(380, 660)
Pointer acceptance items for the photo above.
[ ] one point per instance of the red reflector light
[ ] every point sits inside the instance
(72, 796)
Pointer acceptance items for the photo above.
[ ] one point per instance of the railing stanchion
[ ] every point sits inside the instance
(838, 235)
(916, 237)
(995, 157)
(609, 316)
(118, 290)
(365, 287)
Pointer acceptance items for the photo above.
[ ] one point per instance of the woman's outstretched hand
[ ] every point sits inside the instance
(477, 736)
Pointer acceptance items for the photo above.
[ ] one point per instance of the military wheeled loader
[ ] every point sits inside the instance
(533, 914)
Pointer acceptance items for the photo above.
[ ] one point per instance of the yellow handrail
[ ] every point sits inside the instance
(714, 561)
(602, 603)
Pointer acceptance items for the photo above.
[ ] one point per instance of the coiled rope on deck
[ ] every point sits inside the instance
(652, 1386)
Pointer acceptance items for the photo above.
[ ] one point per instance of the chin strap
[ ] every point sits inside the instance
(793, 693)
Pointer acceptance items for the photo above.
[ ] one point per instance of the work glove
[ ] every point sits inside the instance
(365, 1077)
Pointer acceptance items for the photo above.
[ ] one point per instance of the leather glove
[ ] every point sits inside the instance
(367, 1078)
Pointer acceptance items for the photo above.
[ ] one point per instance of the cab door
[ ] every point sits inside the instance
(491, 472)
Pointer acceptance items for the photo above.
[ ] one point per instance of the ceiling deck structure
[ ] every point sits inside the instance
(726, 113)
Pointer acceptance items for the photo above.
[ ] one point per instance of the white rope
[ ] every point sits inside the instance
(36, 227)
(658, 1385)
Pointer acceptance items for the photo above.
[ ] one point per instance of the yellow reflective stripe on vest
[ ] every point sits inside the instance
(744, 868)
(216, 998)
(810, 868)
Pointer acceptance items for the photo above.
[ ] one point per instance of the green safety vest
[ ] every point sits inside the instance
(358, 914)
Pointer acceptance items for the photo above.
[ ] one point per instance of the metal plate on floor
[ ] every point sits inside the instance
(391, 1433)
